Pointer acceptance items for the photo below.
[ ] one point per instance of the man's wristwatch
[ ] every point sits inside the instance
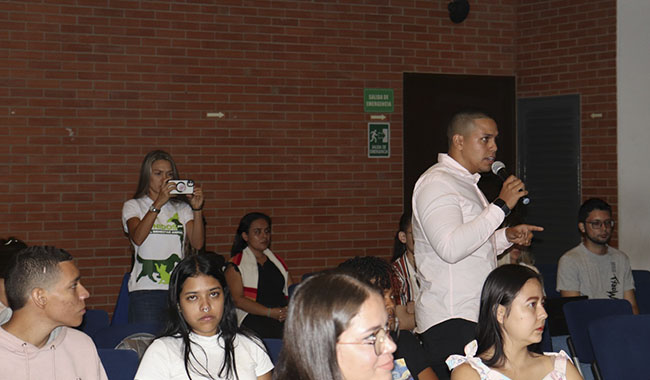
(154, 209)
(500, 203)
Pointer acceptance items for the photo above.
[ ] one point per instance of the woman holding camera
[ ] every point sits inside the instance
(159, 223)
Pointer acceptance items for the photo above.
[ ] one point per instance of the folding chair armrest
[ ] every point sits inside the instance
(596, 371)
(574, 355)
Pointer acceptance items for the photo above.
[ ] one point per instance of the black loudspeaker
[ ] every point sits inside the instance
(458, 10)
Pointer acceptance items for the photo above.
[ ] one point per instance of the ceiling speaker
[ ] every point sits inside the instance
(458, 10)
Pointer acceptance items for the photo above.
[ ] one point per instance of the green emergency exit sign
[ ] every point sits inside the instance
(378, 100)
(378, 140)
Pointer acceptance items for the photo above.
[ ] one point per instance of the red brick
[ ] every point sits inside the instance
(289, 83)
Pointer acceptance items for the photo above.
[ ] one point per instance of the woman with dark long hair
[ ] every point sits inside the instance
(201, 340)
(159, 224)
(258, 279)
(511, 322)
(337, 329)
(405, 271)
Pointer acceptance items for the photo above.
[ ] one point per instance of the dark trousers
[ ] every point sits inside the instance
(148, 306)
(263, 326)
(447, 338)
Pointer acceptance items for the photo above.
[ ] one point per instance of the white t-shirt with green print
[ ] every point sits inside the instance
(163, 248)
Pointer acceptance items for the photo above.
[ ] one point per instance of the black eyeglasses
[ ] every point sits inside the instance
(379, 340)
(598, 224)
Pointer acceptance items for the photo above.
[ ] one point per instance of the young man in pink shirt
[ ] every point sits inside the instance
(46, 297)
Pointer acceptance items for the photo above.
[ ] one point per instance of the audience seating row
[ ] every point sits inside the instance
(580, 316)
(603, 333)
(620, 346)
(119, 364)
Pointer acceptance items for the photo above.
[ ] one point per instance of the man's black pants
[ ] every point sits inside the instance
(447, 338)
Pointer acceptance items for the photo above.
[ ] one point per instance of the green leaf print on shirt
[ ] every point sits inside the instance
(174, 219)
(157, 268)
(164, 275)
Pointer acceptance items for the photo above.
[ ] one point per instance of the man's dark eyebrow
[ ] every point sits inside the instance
(76, 280)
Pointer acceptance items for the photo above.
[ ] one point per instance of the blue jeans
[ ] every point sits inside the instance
(148, 306)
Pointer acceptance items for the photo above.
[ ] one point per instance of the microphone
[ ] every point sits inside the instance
(499, 169)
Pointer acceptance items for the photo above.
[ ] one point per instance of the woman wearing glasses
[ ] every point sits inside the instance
(338, 334)
(378, 273)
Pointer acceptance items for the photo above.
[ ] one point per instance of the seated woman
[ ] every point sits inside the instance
(202, 340)
(258, 279)
(337, 334)
(379, 274)
(403, 262)
(511, 321)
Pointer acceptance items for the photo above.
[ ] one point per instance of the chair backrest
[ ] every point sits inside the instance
(138, 342)
(292, 288)
(620, 345)
(273, 346)
(549, 274)
(642, 290)
(580, 314)
(111, 336)
(555, 310)
(93, 321)
(121, 312)
(119, 364)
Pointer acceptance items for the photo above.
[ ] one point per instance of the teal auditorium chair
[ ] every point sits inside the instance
(620, 346)
(119, 364)
(549, 274)
(579, 314)
(642, 290)
(94, 321)
(121, 311)
(111, 336)
(273, 347)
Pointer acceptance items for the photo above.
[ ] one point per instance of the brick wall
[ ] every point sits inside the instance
(570, 48)
(90, 86)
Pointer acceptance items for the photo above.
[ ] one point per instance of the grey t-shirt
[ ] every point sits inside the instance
(595, 276)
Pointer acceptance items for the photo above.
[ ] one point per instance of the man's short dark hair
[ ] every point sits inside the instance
(33, 267)
(463, 122)
(590, 205)
(8, 250)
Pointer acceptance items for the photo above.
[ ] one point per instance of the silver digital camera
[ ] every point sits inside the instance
(183, 186)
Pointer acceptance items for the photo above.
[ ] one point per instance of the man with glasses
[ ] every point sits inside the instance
(593, 268)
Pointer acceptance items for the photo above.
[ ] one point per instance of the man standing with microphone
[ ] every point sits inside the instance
(456, 236)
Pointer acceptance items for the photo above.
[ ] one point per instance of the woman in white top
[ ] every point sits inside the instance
(159, 224)
(202, 340)
(511, 322)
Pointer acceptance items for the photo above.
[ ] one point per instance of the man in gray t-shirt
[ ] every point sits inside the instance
(593, 268)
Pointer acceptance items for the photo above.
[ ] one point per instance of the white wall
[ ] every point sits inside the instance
(633, 77)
